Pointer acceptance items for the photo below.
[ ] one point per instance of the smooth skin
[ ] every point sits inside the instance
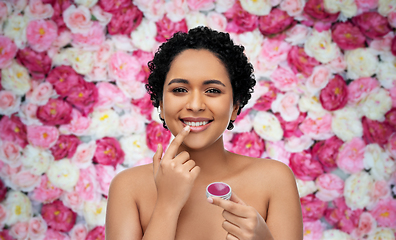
(166, 200)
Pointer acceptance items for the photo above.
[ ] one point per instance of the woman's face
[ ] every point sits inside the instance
(198, 92)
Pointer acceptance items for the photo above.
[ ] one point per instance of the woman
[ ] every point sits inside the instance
(200, 81)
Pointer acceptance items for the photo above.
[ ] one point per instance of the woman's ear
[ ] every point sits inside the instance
(160, 109)
(235, 112)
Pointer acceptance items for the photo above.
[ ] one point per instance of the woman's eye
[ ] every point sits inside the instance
(179, 90)
(213, 90)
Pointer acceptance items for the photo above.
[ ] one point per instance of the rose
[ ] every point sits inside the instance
(145, 106)
(366, 225)
(390, 117)
(252, 40)
(83, 97)
(24, 180)
(125, 20)
(5, 234)
(152, 11)
(95, 212)
(313, 229)
(42, 136)
(104, 175)
(348, 8)
(275, 22)
(58, 216)
(37, 227)
(290, 128)
(335, 234)
(123, 66)
(375, 131)
(134, 147)
(318, 129)
(297, 34)
(316, 10)
(299, 61)
(8, 51)
(37, 10)
(16, 79)
(36, 160)
(338, 64)
(176, 10)
(276, 150)
(382, 46)
(19, 207)
(380, 164)
(312, 208)
(77, 19)
(9, 102)
(384, 233)
(5, 11)
(20, 230)
(87, 186)
(284, 79)
(40, 34)
(244, 122)
(65, 147)
(3, 214)
(46, 192)
(259, 8)
(79, 125)
(361, 88)
(372, 24)
(385, 212)
(10, 153)
(239, 20)
(166, 28)
(326, 152)
(330, 187)
(361, 62)
(16, 29)
(78, 232)
(156, 134)
(80, 59)
(305, 187)
(346, 124)
(376, 104)
(195, 19)
(342, 217)
(104, 123)
(90, 40)
(286, 105)
(59, 8)
(55, 112)
(267, 126)
(366, 5)
(73, 200)
(113, 6)
(318, 79)
(350, 156)
(108, 152)
(274, 50)
(143, 37)
(102, 16)
(335, 95)
(96, 233)
(263, 103)
(202, 5)
(41, 94)
(381, 191)
(248, 144)
(347, 36)
(304, 166)
(295, 144)
(293, 8)
(393, 46)
(320, 46)
(63, 174)
(357, 190)
(385, 74)
(12, 129)
(53, 234)
(87, 3)
(84, 154)
(143, 58)
(132, 122)
(63, 78)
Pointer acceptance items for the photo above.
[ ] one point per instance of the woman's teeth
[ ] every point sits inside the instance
(196, 124)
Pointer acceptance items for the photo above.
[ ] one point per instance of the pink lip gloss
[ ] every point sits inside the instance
(218, 189)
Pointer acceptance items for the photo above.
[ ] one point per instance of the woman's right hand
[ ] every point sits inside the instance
(174, 175)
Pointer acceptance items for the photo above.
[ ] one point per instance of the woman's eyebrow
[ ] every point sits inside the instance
(207, 82)
(178, 80)
(213, 81)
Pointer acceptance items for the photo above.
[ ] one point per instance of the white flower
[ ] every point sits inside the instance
(15, 28)
(143, 37)
(305, 187)
(195, 19)
(216, 21)
(224, 5)
(105, 123)
(357, 190)
(41, 94)
(298, 144)
(176, 10)
(335, 234)
(361, 62)
(386, 74)
(259, 8)
(102, 16)
(382, 233)
(134, 147)
(27, 114)
(82, 61)
(131, 88)
(16, 78)
(319, 78)
(348, 8)
(376, 104)
(82, 158)
(95, 212)
(86, 3)
(36, 160)
(276, 150)
(63, 174)
(19, 5)
(77, 19)
(293, 8)
(121, 43)
(312, 105)
(252, 42)
(243, 125)
(153, 10)
(267, 126)
(386, 6)
(19, 207)
(346, 124)
(286, 105)
(260, 89)
(320, 46)
(380, 164)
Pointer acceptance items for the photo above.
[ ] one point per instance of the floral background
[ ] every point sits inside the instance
(74, 110)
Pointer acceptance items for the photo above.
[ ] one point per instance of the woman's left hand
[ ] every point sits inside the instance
(242, 222)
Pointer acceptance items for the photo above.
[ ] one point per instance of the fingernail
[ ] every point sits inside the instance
(187, 128)
(210, 200)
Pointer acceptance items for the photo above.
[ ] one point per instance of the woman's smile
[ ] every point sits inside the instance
(196, 124)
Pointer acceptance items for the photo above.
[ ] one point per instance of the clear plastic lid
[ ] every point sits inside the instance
(219, 189)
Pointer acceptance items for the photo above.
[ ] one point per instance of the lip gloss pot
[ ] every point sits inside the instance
(219, 189)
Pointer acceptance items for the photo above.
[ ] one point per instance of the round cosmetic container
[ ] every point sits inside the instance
(218, 189)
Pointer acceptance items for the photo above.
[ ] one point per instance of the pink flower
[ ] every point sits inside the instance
(166, 28)
(291, 128)
(385, 213)
(113, 5)
(5, 234)
(63, 78)
(286, 105)
(330, 187)
(46, 192)
(274, 50)
(156, 134)
(350, 156)
(381, 190)
(367, 224)
(9, 102)
(319, 128)
(248, 144)
(98, 233)
(366, 5)
(110, 95)
(12, 129)
(335, 95)
(393, 46)
(312, 208)
(275, 22)
(316, 10)
(391, 146)
(123, 66)
(73, 201)
(40, 34)
(104, 175)
(87, 187)
(342, 217)
(65, 147)
(347, 36)
(83, 97)
(42, 136)
(313, 230)
(276, 150)
(143, 58)
(58, 217)
(91, 39)
(239, 20)
(392, 19)
(326, 152)
(40, 94)
(372, 24)
(318, 80)
(79, 124)
(52, 234)
(376, 131)
(20, 230)
(299, 61)
(265, 101)
(390, 117)
(361, 88)
(59, 7)
(284, 79)
(3, 192)
(38, 63)
(304, 166)
(38, 10)
(201, 5)
(125, 21)
(24, 180)
(55, 112)
(3, 215)
(77, 19)
(78, 232)
(10, 153)
(108, 152)
(8, 50)
(37, 227)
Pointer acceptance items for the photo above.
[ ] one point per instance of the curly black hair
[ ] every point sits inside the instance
(239, 69)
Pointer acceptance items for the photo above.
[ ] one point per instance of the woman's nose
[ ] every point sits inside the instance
(196, 102)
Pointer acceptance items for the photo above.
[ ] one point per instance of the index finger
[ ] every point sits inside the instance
(177, 141)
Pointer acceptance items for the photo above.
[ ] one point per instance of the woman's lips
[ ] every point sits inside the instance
(197, 128)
